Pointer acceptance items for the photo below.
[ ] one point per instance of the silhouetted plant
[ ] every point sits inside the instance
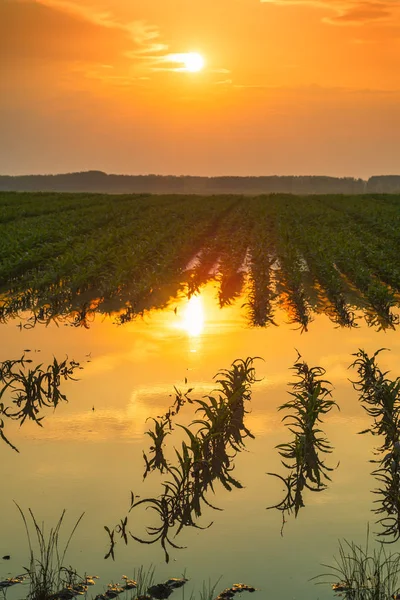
(361, 574)
(310, 400)
(380, 398)
(48, 578)
(31, 390)
(205, 457)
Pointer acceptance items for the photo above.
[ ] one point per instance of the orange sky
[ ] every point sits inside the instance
(289, 87)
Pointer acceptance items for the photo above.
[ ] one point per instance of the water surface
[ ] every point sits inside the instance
(87, 457)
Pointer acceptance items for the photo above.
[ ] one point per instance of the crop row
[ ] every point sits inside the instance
(300, 254)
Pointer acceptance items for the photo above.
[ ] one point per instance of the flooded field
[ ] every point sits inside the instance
(88, 455)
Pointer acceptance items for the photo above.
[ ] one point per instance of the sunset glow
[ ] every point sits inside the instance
(194, 62)
(201, 88)
(188, 61)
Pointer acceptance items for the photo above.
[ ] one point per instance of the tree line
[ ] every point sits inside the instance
(100, 182)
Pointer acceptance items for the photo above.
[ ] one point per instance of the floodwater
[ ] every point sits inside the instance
(88, 458)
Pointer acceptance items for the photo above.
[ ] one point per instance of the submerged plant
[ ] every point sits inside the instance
(310, 401)
(205, 457)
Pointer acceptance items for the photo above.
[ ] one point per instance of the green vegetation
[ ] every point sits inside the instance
(50, 579)
(47, 574)
(361, 574)
(68, 256)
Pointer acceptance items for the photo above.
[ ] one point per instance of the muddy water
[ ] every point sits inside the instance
(87, 457)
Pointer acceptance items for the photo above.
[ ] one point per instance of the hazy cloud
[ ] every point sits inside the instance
(46, 31)
(88, 40)
(348, 12)
(140, 32)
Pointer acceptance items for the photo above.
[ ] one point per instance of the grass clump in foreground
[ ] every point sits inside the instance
(48, 577)
(362, 574)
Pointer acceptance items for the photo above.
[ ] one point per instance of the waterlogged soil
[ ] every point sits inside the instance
(88, 456)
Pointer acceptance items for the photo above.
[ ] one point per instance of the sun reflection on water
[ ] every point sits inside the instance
(193, 319)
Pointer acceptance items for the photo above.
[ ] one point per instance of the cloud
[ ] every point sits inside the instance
(51, 31)
(141, 33)
(83, 39)
(349, 12)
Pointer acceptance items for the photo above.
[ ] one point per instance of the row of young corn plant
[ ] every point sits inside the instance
(85, 253)
(359, 257)
(311, 399)
(309, 223)
(46, 253)
(380, 247)
(36, 204)
(261, 292)
(85, 210)
(165, 273)
(164, 258)
(376, 214)
(205, 457)
(29, 243)
(334, 236)
(128, 256)
(291, 274)
(308, 228)
(217, 243)
(332, 292)
(235, 254)
(310, 251)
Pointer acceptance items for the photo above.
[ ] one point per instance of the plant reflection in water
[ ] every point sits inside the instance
(205, 457)
(310, 400)
(380, 398)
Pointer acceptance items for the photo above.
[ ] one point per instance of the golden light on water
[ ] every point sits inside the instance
(193, 319)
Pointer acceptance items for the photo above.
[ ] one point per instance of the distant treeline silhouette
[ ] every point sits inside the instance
(99, 182)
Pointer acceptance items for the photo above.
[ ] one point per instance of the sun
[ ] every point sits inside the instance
(193, 62)
(188, 62)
